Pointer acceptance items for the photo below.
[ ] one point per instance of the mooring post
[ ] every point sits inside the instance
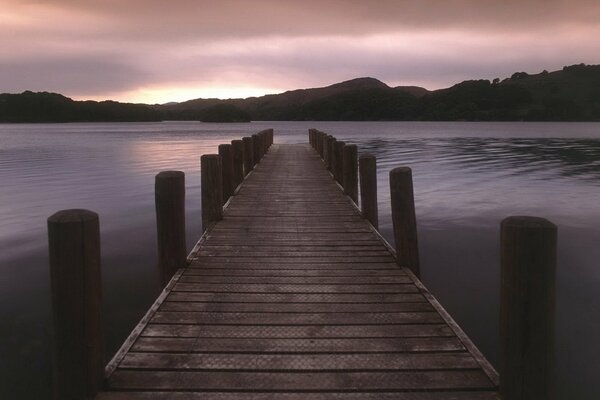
(310, 137)
(350, 171)
(226, 154)
(330, 143)
(368, 188)
(332, 155)
(339, 161)
(237, 147)
(257, 143)
(169, 195)
(527, 298)
(325, 149)
(75, 279)
(265, 142)
(248, 154)
(211, 182)
(404, 219)
(320, 143)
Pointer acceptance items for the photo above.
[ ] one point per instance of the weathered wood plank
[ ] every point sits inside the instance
(275, 345)
(298, 362)
(266, 288)
(282, 318)
(438, 395)
(338, 298)
(306, 280)
(297, 331)
(324, 381)
(295, 307)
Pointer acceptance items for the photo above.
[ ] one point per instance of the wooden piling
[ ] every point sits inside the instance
(258, 146)
(350, 171)
(325, 150)
(212, 189)
(330, 143)
(320, 143)
(169, 193)
(75, 278)
(311, 140)
(338, 168)
(527, 298)
(404, 219)
(226, 154)
(248, 154)
(332, 155)
(368, 188)
(237, 147)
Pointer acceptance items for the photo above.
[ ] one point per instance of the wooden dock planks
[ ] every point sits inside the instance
(295, 296)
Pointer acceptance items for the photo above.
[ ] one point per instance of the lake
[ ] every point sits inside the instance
(467, 178)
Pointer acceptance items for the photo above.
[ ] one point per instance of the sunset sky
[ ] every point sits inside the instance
(157, 51)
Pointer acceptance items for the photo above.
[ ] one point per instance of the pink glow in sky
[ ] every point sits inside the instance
(160, 51)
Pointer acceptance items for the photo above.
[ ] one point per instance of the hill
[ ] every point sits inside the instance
(571, 94)
(52, 107)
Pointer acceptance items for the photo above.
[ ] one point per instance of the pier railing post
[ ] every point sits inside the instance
(320, 143)
(330, 143)
(527, 297)
(350, 171)
(325, 150)
(248, 154)
(257, 143)
(169, 193)
(404, 219)
(339, 161)
(237, 147)
(75, 278)
(212, 189)
(311, 137)
(226, 154)
(332, 156)
(368, 188)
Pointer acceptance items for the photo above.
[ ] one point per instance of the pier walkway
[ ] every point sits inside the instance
(295, 296)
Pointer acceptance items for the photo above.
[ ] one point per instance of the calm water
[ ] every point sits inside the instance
(468, 176)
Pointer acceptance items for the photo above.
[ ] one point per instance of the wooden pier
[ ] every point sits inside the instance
(292, 294)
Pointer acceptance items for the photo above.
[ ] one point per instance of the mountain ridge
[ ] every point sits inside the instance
(570, 94)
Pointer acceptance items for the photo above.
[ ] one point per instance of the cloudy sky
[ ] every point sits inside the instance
(159, 51)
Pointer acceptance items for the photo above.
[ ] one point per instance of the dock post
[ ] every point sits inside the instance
(325, 150)
(350, 171)
(226, 154)
(237, 147)
(248, 154)
(265, 141)
(75, 279)
(257, 143)
(324, 147)
(332, 155)
(169, 194)
(527, 298)
(339, 161)
(320, 143)
(311, 141)
(404, 219)
(211, 183)
(330, 143)
(368, 188)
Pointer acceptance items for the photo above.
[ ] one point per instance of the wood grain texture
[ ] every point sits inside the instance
(293, 296)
